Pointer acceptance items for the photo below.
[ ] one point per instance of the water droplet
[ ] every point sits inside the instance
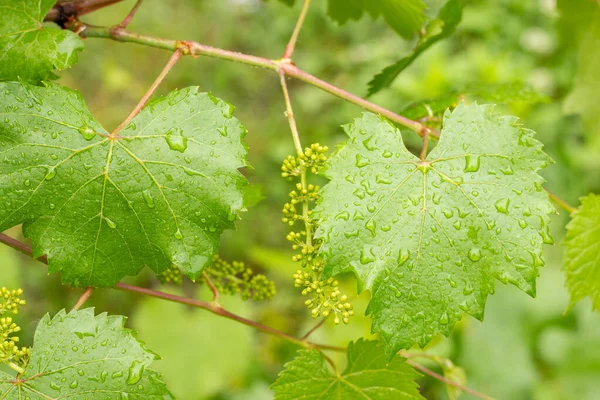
(351, 234)
(50, 174)
(74, 384)
(87, 132)
(403, 256)
(474, 254)
(176, 140)
(370, 225)
(343, 215)
(54, 135)
(502, 205)
(366, 257)
(472, 163)
(149, 198)
(80, 372)
(117, 374)
(507, 171)
(27, 182)
(54, 386)
(178, 235)
(111, 224)
(135, 373)
(361, 161)
(448, 213)
(444, 318)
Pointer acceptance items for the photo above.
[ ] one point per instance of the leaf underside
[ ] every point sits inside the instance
(28, 49)
(428, 238)
(77, 355)
(367, 376)
(161, 192)
(582, 257)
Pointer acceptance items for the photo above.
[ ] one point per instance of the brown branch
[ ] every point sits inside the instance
(289, 50)
(172, 61)
(131, 14)
(447, 381)
(314, 328)
(83, 298)
(64, 11)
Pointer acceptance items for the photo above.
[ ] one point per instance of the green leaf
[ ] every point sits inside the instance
(77, 355)
(582, 258)
(457, 375)
(30, 50)
(428, 238)
(440, 28)
(367, 376)
(404, 16)
(583, 100)
(161, 192)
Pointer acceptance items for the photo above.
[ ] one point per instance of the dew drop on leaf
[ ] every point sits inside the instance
(50, 174)
(176, 140)
(135, 373)
(149, 198)
(87, 132)
(474, 254)
(472, 163)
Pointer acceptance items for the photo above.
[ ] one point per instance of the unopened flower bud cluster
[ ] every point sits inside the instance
(235, 278)
(9, 351)
(325, 298)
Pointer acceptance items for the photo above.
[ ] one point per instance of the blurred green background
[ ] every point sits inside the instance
(526, 348)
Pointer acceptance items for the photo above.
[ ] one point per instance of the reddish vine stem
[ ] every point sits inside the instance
(447, 381)
(123, 35)
(289, 50)
(219, 310)
(172, 61)
(83, 298)
(314, 328)
(213, 288)
(131, 14)
(64, 10)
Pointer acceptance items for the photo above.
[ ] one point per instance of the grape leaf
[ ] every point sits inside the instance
(429, 237)
(582, 258)
(77, 355)
(161, 192)
(367, 376)
(29, 49)
(437, 29)
(404, 16)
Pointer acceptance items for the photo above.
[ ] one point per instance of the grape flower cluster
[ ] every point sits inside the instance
(10, 353)
(229, 279)
(325, 297)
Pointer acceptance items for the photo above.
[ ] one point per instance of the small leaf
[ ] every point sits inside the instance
(440, 28)
(77, 355)
(367, 376)
(404, 16)
(456, 375)
(582, 258)
(30, 50)
(160, 192)
(429, 237)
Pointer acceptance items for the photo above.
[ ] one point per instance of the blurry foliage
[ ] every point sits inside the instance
(525, 349)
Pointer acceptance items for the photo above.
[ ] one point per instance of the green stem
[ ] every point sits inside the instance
(561, 203)
(15, 367)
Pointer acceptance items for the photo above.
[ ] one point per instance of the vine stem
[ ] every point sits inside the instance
(447, 381)
(561, 203)
(15, 367)
(314, 328)
(289, 113)
(123, 35)
(213, 288)
(83, 298)
(131, 14)
(76, 8)
(289, 50)
(172, 61)
(219, 310)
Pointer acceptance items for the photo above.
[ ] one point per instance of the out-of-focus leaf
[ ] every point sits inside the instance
(582, 259)
(404, 16)
(585, 97)
(437, 29)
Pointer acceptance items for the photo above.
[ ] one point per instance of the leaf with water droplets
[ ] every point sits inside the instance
(582, 256)
(368, 375)
(30, 50)
(79, 355)
(161, 192)
(453, 222)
